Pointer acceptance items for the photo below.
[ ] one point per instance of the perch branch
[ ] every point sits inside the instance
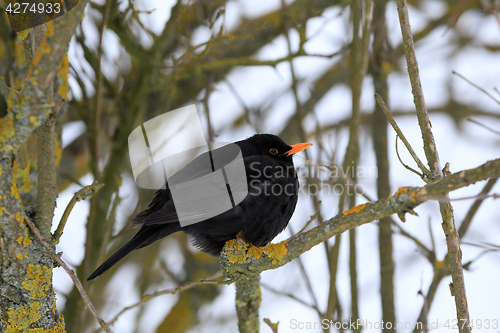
(237, 263)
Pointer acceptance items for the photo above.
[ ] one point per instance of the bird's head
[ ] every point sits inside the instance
(270, 145)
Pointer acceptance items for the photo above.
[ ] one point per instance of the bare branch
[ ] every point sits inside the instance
(82, 194)
(432, 155)
(394, 125)
(476, 86)
(274, 327)
(402, 163)
(482, 125)
(146, 298)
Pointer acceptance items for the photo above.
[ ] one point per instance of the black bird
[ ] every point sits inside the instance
(263, 213)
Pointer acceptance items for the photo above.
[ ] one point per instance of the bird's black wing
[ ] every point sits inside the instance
(161, 210)
(263, 213)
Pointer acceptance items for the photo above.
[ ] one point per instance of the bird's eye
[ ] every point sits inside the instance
(273, 151)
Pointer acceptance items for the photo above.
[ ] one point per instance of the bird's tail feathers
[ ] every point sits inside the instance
(147, 235)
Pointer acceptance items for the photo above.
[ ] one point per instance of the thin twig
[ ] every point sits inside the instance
(433, 241)
(42, 106)
(58, 107)
(479, 196)
(482, 125)
(394, 125)
(425, 310)
(476, 86)
(148, 297)
(423, 249)
(82, 194)
(464, 226)
(496, 90)
(70, 272)
(295, 298)
(4, 90)
(344, 177)
(306, 278)
(308, 223)
(401, 161)
(272, 326)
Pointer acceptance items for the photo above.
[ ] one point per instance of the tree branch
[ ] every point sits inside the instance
(396, 128)
(82, 194)
(148, 297)
(239, 259)
(248, 298)
(449, 228)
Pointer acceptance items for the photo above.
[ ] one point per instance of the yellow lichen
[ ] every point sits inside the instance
(59, 328)
(403, 190)
(20, 57)
(18, 84)
(38, 281)
(23, 34)
(26, 241)
(19, 256)
(255, 252)
(275, 251)
(22, 177)
(50, 29)
(34, 120)
(22, 317)
(14, 191)
(44, 48)
(238, 251)
(355, 209)
(58, 149)
(6, 127)
(62, 74)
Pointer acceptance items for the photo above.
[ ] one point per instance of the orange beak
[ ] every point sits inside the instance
(298, 147)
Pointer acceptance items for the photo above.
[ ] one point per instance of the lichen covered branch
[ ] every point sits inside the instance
(248, 298)
(29, 108)
(240, 259)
